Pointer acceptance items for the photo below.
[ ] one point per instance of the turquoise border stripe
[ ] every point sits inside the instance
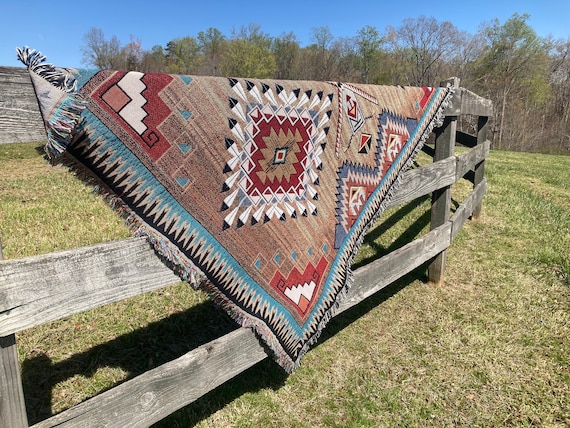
(142, 173)
(350, 235)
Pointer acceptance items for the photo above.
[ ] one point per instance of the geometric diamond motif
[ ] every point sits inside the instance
(394, 133)
(275, 152)
(280, 155)
(357, 182)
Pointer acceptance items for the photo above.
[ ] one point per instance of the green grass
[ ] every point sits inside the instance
(490, 347)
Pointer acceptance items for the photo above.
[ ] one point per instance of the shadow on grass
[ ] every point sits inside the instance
(408, 235)
(171, 338)
(179, 333)
(134, 352)
(267, 374)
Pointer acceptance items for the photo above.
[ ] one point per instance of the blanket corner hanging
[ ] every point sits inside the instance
(257, 191)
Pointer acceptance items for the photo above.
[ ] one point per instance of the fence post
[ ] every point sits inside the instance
(441, 198)
(12, 404)
(482, 123)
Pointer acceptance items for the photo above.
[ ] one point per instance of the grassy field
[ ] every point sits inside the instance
(491, 347)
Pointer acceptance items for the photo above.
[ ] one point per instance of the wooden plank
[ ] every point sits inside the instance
(454, 107)
(466, 102)
(465, 210)
(441, 198)
(474, 104)
(20, 118)
(44, 288)
(157, 393)
(12, 404)
(465, 139)
(39, 289)
(479, 170)
(422, 181)
(468, 160)
(382, 272)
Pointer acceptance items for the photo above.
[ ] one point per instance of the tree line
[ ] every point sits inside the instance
(526, 76)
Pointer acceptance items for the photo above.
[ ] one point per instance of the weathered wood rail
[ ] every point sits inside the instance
(39, 289)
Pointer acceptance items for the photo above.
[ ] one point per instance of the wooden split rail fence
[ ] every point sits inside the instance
(39, 289)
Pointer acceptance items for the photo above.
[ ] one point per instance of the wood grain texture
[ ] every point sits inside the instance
(422, 181)
(20, 118)
(467, 161)
(39, 289)
(12, 404)
(441, 198)
(474, 104)
(479, 170)
(155, 394)
(382, 272)
(466, 209)
(467, 102)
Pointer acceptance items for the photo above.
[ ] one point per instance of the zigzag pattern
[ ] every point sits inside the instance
(276, 136)
(140, 193)
(394, 132)
(200, 185)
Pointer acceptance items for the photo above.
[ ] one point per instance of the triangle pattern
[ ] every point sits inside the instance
(185, 114)
(186, 79)
(183, 181)
(185, 148)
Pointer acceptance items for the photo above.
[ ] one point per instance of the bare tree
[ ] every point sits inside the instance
(99, 52)
(319, 61)
(423, 44)
(133, 54)
(344, 49)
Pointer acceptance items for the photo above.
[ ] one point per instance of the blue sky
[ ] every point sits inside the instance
(57, 28)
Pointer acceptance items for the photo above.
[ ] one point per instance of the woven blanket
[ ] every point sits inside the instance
(257, 191)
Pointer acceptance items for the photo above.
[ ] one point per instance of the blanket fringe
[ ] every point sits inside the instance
(59, 77)
(61, 125)
(64, 119)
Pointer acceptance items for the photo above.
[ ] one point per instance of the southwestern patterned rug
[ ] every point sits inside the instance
(258, 191)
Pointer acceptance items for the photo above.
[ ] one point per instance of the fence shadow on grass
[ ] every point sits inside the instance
(408, 235)
(135, 353)
(168, 339)
(179, 333)
(267, 374)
